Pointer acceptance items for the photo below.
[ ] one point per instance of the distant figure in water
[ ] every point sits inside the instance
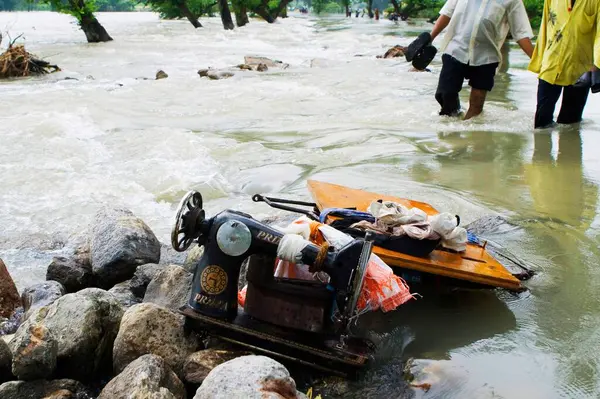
(471, 47)
(377, 14)
(566, 55)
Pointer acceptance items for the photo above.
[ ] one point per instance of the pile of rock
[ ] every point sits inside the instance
(105, 325)
(251, 63)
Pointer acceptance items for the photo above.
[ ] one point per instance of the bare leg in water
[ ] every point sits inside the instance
(476, 101)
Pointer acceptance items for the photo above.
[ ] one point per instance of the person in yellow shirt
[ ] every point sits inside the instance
(568, 47)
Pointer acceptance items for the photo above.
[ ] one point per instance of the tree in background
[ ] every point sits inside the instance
(83, 11)
(535, 10)
(173, 9)
(269, 10)
(240, 9)
(318, 6)
(225, 15)
(346, 5)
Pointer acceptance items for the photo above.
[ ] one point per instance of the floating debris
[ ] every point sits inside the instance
(17, 62)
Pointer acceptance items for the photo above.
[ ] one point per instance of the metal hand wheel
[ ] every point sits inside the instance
(188, 221)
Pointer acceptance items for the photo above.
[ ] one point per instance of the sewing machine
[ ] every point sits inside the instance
(306, 321)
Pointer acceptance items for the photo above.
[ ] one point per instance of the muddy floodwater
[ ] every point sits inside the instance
(336, 114)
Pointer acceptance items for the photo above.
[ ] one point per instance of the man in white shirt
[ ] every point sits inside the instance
(476, 31)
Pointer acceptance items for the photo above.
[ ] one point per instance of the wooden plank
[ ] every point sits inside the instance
(475, 264)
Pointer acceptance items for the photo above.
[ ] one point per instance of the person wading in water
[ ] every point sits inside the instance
(566, 59)
(471, 47)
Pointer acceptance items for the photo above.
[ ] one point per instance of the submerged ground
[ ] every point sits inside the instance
(336, 114)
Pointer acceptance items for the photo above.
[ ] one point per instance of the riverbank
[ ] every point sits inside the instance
(105, 324)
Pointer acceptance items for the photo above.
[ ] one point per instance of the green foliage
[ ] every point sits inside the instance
(333, 8)
(76, 8)
(168, 9)
(318, 6)
(22, 5)
(421, 8)
(115, 5)
(535, 9)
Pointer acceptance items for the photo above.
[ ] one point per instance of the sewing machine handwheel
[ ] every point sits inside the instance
(188, 221)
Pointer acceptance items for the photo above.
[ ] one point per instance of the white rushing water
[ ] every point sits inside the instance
(336, 114)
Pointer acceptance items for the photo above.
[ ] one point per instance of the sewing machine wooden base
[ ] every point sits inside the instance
(320, 351)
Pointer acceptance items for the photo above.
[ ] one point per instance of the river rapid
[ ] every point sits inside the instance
(336, 114)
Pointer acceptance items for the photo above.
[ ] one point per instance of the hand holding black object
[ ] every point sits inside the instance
(595, 81)
(423, 40)
(584, 81)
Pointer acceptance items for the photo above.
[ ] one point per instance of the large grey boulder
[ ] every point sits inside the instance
(10, 300)
(151, 329)
(84, 325)
(168, 256)
(124, 295)
(34, 351)
(41, 294)
(199, 364)
(193, 257)
(74, 273)
(142, 277)
(170, 288)
(57, 389)
(5, 362)
(120, 242)
(146, 377)
(249, 377)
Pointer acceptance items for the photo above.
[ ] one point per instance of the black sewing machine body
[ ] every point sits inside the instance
(300, 320)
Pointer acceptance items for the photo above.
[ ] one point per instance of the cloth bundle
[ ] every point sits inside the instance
(397, 220)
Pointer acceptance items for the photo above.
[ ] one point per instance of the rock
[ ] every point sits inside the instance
(10, 325)
(396, 51)
(199, 364)
(161, 75)
(34, 351)
(124, 295)
(120, 243)
(56, 389)
(74, 273)
(41, 294)
(219, 75)
(142, 277)
(151, 329)
(203, 72)
(9, 296)
(245, 67)
(250, 377)
(193, 257)
(168, 256)
(262, 68)
(171, 287)
(5, 361)
(84, 325)
(255, 61)
(145, 377)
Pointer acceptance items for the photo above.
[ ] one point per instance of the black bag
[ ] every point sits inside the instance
(424, 39)
(424, 57)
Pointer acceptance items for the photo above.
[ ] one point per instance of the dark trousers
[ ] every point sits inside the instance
(571, 109)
